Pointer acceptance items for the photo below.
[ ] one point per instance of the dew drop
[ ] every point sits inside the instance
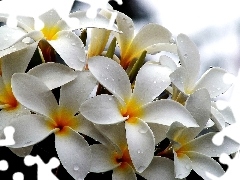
(140, 169)
(73, 44)
(139, 151)
(154, 82)
(185, 55)
(143, 130)
(76, 168)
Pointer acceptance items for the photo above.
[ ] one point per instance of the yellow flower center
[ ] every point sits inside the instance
(132, 111)
(61, 119)
(50, 32)
(7, 98)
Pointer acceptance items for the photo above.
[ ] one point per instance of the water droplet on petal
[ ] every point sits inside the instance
(140, 168)
(143, 130)
(73, 44)
(139, 151)
(154, 82)
(76, 167)
(185, 55)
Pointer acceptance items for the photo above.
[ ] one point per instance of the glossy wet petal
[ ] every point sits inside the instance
(53, 74)
(141, 144)
(166, 112)
(102, 109)
(112, 76)
(70, 48)
(33, 93)
(74, 153)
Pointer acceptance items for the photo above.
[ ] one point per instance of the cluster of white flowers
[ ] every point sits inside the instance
(109, 92)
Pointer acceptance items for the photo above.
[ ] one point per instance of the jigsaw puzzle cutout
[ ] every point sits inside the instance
(44, 171)
(231, 131)
(14, 8)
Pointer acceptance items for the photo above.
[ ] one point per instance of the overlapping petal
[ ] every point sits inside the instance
(29, 130)
(182, 164)
(103, 159)
(106, 110)
(33, 93)
(16, 62)
(166, 112)
(112, 76)
(202, 164)
(160, 167)
(214, 81)
(79, 161)
(70, 48)
(189, 57)
(9, 36)
(124, 173)
(204, 145)
(74, 93)
(141, 144)
(151, 81)
(53, 74)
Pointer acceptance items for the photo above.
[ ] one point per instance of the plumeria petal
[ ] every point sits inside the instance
(22, 152)
(202, 164)
(16, 47)
(159, 131)
(106, 110)
(217, 118)
(147, 36)
(126, 26)
(199, 105)
(160, 167)
(168, 62)
(182, 164)
(160, 112)
(156, 48)
(125, 171)
(84, 22)
(151, 81)
(178, 78)
(16, 62)
(98, 41)
(189, 57)
(33, 93)
(53, 74)
(103, 159)
(115, 132)
(214, 81)
(29, 130)
(141, 144)
(70, 48)
(73, 144)
(112, 76)
(204, 145)
(74, 93)
(50, 18)
(88, 128)
(9, 36)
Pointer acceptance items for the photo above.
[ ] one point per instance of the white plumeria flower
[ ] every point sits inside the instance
(135, 108)
(115, 156)
(12, 62)
(153, 38)
(61, 119)
(190, 153)
(186, 77)
(56, 32)
(196, 154)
